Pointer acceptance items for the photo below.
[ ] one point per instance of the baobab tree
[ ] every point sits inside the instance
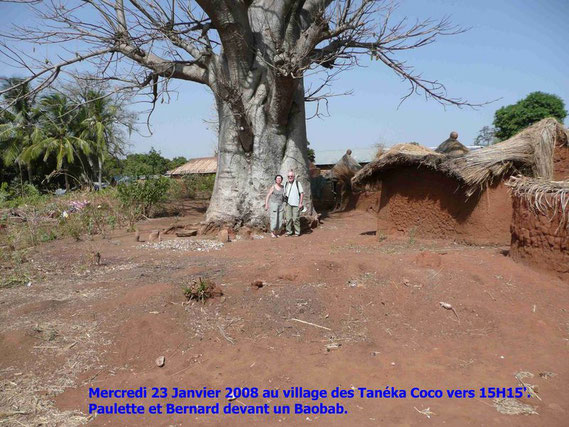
(252, 54)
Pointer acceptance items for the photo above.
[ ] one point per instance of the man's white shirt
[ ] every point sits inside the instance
(292, 193)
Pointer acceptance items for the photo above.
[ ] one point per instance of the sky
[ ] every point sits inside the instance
(512, 48)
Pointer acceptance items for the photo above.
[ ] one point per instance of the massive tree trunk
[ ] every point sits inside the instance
(245, 175)
(262, 123)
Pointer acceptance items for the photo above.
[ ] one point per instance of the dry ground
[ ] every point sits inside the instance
(80, 325)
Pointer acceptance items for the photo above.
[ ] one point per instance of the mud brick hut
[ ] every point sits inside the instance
(464, 198)
(540, 224)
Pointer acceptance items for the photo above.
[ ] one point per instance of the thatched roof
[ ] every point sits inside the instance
(196, 166)
(543, 196)
(530, 152)
(452, 147)
(345, 168)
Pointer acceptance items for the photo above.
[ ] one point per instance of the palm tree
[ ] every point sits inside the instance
(58, 134)
(100, 118)
(17, 124)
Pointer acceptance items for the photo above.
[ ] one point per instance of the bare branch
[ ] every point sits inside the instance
(350, 29)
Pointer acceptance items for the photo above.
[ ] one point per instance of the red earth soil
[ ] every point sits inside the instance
(424, 203)
(540, 240)
(374, 320)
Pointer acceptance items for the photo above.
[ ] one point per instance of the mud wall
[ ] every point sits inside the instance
(561, 163)
(423, 203)
(366, 201)
(538, 239)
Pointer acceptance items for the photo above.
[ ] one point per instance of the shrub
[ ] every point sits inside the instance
(201, 290)
(16, 194)
(199, 185)
(138, 198)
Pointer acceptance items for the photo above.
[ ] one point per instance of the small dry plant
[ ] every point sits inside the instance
(201, 290)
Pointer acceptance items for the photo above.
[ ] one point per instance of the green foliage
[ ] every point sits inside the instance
(310, 152)
(97, 219)
(14, 271)
(176, 162)
(199, 186)
(72, 227)
(17, 193)
(149, 164)
(177, 191)
(47, 217)
(17, 123)
(486, 137)
(103, 121)
(138, 198)
(75, 129)
(58, 133)
(511, 119)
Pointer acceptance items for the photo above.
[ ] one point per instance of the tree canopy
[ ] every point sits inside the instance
(486, 136)
(69, 131)
(145, 164)
(513, 118)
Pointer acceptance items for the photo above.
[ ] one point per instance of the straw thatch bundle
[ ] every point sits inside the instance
(530, 152)
(347, 162)
(345, 169)
(548, 198)
(343, 172)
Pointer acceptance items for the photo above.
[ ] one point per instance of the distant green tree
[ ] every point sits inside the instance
(151, 163)
(176, 162)
(158, 164)
(486, 136)
(513, 118)
(310, 152)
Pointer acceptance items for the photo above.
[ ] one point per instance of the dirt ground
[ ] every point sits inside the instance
(375, 304)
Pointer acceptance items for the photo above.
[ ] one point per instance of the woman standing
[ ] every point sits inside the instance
(274, 201)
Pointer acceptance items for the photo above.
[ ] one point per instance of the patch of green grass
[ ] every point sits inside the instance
(412, 233)
(13, 268)
(13, 281)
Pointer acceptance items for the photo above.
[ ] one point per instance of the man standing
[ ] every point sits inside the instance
(294, 193)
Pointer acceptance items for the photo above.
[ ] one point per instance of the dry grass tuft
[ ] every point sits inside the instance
(509, 406)
(202, 290)
(548, 198)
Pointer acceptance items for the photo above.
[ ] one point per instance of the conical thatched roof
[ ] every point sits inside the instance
(530, 152)
(452, 146)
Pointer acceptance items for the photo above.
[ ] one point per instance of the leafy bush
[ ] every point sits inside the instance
(95, 218)
(16, 194)
(199, 185)
(177, 191)
(138, 198)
